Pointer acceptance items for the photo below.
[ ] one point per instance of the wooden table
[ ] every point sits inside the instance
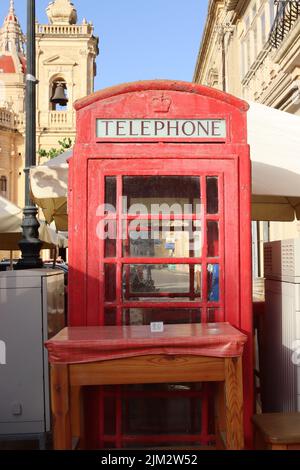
(132, 355)
(277, 431)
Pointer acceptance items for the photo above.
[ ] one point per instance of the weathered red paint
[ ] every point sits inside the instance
(229, 159)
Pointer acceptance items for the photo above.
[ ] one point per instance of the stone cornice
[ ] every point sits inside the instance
(231, 4)
(206, 37)
(237, 7)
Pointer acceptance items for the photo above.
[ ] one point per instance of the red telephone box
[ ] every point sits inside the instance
(160, 185)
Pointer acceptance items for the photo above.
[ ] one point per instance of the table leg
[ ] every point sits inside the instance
(60, 403)
(234, 404)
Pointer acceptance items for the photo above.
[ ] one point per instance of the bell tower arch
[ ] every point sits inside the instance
(66, 67)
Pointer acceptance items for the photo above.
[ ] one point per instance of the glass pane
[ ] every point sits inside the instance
(111, 192)
(145, 316)
(110, 226)
(212, 195)
(110, 317)
(110, 233)
(213, 285)
(161, 194)
(212, 239)
(162, 239)
(162, 282)
(109, 410)
(213, 315)
(171, 413)
(110, 282)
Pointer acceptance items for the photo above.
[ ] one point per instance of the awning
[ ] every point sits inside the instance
(274, 138)
(11, 232)
(49, 188)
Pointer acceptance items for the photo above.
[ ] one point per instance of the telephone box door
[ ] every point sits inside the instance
(159, 257)
(159, 253)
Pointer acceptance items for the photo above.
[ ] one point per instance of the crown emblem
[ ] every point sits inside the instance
(161, 104)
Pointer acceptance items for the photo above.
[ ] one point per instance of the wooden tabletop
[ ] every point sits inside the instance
(89, 344)
(279, 428)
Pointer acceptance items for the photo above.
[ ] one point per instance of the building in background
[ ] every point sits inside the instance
(251, 48)
(12, 94)
(66, 66)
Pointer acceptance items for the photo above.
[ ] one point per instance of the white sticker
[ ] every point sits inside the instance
(157, 327)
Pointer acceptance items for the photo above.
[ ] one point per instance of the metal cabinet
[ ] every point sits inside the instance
(31, 311)
(281, 339)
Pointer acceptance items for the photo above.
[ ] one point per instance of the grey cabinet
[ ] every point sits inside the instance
(31, 311)
(281, 331)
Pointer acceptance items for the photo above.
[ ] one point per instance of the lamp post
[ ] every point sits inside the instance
(30, 245)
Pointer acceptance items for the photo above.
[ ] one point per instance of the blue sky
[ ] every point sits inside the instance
(138, 39)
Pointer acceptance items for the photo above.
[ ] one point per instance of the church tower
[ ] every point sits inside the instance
(66, 67)
(12, 96)
(12, 63)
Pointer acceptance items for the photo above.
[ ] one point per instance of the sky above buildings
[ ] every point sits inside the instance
(139, 39)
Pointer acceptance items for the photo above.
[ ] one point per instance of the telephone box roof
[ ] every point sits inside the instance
(167, 85)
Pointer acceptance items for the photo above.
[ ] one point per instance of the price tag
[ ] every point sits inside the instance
(157, 327)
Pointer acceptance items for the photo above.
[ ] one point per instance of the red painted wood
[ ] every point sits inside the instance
(246, 319)
(228, 159)
(161, 439)
(204, 262)
(119, 262)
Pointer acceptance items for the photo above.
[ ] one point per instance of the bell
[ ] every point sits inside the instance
(59, 96)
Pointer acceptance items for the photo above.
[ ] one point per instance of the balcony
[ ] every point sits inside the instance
(7, 119)
(19, 120)
(287, 15)
(57, 119)
(64, 30)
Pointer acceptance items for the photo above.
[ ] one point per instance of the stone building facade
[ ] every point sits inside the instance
(12, 92)
(251, 48)
(66, 53)
(66, 56)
